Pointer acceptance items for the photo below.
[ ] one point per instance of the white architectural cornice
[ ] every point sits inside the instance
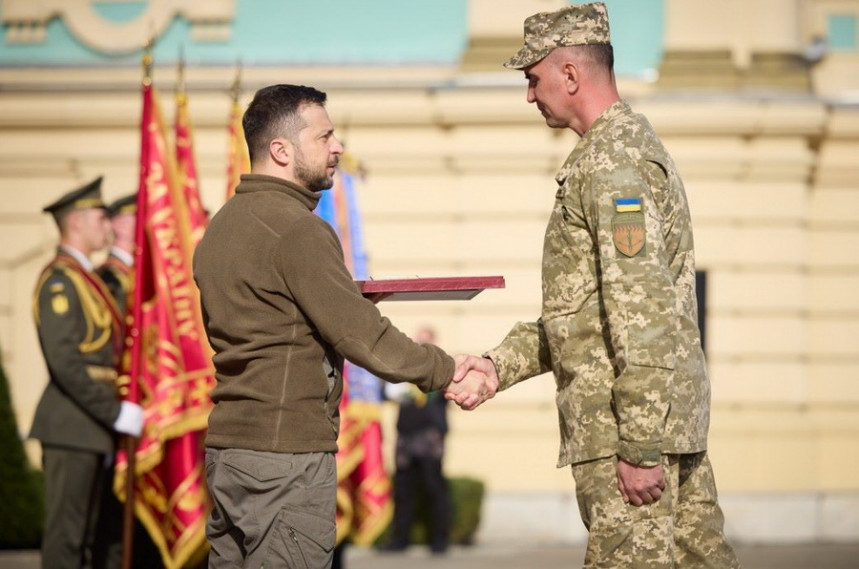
(26, 21)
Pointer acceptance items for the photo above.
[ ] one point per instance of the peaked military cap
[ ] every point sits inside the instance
(126, 205)
(574, 25)
(85, 197)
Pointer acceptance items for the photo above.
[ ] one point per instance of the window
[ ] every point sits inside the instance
(701, 290)
(841, 32)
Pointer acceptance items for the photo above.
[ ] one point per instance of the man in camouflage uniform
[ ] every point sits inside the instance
(79, 415)
(619, 319)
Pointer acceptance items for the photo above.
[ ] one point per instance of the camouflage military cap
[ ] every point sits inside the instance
(573, 25)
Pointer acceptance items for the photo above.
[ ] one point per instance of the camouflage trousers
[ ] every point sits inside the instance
(684, 529)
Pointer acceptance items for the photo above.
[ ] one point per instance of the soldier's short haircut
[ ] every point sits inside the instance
(600, 54)
(274, 112)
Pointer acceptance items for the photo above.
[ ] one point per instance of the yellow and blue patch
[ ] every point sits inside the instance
(624, 205)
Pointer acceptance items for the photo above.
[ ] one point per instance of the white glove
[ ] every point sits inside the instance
(130, 420)
(399, 392)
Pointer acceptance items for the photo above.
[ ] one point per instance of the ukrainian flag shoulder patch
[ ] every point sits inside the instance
(624, 205)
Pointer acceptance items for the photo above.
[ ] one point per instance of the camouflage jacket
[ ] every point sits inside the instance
(619, 319)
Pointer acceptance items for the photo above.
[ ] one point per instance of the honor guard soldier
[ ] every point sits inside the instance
(79, 415)
(116, 270)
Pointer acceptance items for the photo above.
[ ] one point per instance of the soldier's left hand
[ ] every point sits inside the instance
(640, 485)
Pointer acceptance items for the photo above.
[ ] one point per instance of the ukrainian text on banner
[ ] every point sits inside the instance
(167, 359)
(364, 507)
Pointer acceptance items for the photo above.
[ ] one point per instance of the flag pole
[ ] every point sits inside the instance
(134, 333)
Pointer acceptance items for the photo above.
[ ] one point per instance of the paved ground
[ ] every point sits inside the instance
(567, 557)
(814, 556)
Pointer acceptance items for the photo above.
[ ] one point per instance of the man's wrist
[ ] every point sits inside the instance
(638, 454)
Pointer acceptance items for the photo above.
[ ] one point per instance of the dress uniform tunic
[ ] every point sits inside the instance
(77, 322)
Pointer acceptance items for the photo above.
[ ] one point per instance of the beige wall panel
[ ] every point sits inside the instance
(712, 200)
(494, 18)
(349, 108)
(688, 24)
(839, 205)
(747, 334)
(47, 110)
(836, 75)
(493, 435)
(768, 381)
(463, 106)
(834, 292)
(772, 25)
(844, 120)
(763, 448)
(23, 240)
(459, 241)
(459, 196)
(708, 158)
(746, 290)
(115, 145)
(506, 141)
(833, 248)
(761, 245)
(25, 367)
(791, 117)
(527, 195)
(465, 328)
(837, 165)
(787, 159)
(24, 196)
(382, 198)
(692, 117)
(838, 465)
(765, 462)
(835, 336)
(833, 380)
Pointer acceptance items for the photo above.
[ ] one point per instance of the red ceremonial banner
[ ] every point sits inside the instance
(198, 219)
(167, 362)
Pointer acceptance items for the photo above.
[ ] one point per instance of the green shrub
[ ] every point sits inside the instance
(466, 496)
(21, 490)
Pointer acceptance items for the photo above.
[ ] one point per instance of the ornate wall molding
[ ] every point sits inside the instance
(26, 21)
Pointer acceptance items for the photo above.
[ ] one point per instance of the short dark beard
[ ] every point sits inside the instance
(315, 182)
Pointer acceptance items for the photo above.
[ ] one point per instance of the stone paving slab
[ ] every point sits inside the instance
(512, 556)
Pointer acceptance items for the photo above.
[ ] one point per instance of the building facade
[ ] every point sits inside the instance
(761, 113)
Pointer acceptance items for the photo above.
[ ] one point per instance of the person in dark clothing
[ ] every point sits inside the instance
(421, 429)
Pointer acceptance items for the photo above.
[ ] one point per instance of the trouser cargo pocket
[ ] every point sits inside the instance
(301, 540)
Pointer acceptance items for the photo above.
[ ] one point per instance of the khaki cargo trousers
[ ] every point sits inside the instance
(682, 530)
(271, 510)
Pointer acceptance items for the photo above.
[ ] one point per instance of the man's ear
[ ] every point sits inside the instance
(280, 150)
(572, 76)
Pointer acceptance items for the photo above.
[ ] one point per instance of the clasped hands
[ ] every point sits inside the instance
(474, 381)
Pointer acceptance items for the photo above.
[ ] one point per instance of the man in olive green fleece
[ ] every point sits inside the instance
(282, 311)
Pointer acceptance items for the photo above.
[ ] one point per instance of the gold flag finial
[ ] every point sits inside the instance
(147, 60)
(180, 72)
(236, 88)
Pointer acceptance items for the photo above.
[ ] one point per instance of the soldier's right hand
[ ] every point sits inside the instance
(130, 419)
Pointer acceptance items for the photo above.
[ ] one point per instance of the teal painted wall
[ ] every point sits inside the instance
(299, 32)
(637, 33)
(332, 32)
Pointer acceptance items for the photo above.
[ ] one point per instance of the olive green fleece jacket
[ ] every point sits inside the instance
(276, 299)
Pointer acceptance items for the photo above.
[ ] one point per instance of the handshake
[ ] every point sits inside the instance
(474, 381)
